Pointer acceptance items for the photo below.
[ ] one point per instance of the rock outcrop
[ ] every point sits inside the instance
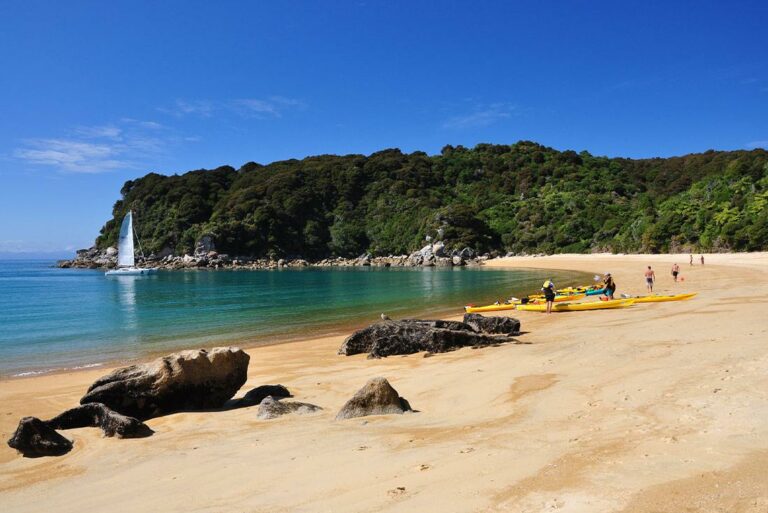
(206, 257)
(498, 325)
(98, 415)
(258, 394)
(34, 438)
(412, 336)
(377, 397)
(188, 380)
(271, 408)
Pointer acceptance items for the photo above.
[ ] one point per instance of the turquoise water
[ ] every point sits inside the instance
(66, 318)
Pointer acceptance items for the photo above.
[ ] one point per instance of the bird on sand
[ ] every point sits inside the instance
(385, 317)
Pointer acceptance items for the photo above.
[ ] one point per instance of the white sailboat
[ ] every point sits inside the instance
(126, 264)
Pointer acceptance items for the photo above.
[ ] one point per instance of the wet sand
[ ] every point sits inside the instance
(659, 407)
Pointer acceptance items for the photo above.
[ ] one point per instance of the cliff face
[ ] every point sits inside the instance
(523, 198)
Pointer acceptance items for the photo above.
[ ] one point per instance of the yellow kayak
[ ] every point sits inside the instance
(539, 298)
(513, 304)
(578, 307)
(659, 299)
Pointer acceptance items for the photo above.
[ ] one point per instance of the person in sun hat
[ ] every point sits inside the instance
(549, 294)
(610, 285)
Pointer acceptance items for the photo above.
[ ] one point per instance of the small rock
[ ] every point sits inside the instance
(377, 397)
(271, 408)
(98, 415)
(34, 438)
(258, 394)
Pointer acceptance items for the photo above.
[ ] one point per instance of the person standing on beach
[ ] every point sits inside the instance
(675, 271)
(610, 285)
(702, 259)
(691, 258)
(549, 294)
(650, 277)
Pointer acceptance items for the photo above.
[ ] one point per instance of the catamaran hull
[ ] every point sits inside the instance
(132, 271)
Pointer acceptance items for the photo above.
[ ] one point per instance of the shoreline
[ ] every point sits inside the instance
(617, 410)
(244, 340)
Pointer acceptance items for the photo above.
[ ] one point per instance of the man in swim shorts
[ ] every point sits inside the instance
(650, 277)
(675, 271)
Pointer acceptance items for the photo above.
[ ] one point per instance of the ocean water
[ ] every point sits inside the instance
(66, 318)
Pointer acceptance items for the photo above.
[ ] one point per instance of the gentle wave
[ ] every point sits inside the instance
(57, 369)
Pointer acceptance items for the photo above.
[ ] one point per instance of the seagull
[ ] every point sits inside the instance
(385, 317)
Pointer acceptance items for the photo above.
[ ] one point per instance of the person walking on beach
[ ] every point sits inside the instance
(675, 271)
(549, 294)
(610, 285)
(650, 277)
(702, 259)
(691, 258)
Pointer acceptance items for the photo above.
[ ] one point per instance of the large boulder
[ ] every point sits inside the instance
(271, 408)
(258, 394)
(413, 335)
(377, 397)
(188, 380)
(98, 415)
(499, 325)
(34, 438)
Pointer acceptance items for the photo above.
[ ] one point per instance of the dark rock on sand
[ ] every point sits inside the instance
(258, 394)
(271, 408)
(499, 325)
(413, 335)
(34, 438)
(377, 397)
(98, 415)
(188, 380)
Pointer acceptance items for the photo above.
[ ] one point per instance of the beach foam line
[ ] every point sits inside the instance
(46, 371)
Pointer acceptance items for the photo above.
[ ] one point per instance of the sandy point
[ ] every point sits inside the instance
(658, 407)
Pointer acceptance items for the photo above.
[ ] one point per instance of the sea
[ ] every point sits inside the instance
(55, 319)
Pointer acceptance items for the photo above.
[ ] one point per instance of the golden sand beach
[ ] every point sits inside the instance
(653, 408)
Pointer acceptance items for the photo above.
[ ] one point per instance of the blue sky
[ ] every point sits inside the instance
(95, 93)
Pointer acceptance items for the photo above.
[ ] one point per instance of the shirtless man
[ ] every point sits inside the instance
(650, 277)
(675, 271)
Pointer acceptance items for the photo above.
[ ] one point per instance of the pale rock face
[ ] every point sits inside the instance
(111, 251)
(165, 252)
(205, 245)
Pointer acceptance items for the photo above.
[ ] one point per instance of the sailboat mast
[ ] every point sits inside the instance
(135, 234)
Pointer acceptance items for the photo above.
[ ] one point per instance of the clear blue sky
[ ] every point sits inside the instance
(95, 93)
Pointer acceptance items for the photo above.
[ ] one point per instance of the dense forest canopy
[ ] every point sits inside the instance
(520, 198)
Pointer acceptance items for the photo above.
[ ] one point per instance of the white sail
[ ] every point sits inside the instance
(125, 243)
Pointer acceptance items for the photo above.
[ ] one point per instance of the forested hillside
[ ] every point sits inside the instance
(513, 198)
